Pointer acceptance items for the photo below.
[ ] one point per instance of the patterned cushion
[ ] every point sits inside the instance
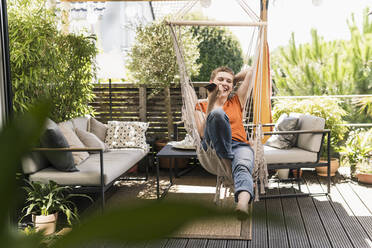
(126, 134)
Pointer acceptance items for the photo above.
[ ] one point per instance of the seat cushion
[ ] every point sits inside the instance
(294, 155)
(115, 163)
(308, 141)
(34, 162)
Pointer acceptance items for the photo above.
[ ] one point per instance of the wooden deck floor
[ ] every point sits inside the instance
(344, 219)
(341, 220)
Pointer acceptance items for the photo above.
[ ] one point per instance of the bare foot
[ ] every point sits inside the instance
(243, 205)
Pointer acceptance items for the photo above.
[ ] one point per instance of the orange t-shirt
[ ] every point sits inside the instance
(234, 111)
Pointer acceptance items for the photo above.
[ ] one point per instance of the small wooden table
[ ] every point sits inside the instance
(169, 152)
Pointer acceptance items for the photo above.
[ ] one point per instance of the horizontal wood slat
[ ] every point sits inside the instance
(130, 103)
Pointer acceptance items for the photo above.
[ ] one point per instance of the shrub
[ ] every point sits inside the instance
(327, 108)
(46, 63)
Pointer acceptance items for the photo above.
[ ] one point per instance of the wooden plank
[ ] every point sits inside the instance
(296, 231)
(277, 233)
(364, 193)
(179, 243)
(157, 244)
(353, 228)
(197, 243)
(259, 227)
(142, 103)
(360, 211)
(316, 233)
(216, 243)
(333, 227)
(236, 244)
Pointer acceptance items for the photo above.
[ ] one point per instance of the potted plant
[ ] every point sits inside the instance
(364, 171)
(327, 108)
(357, 151)
(46, 201)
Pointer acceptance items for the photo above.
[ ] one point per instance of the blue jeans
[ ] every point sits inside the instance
(217, 134)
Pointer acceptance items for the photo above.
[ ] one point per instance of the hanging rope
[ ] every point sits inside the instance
(209, 158)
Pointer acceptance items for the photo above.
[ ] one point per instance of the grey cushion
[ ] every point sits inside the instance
(34, 162)
(284, 141)
(81, 122)
(309, 142)
(74, 142)
(53, 138)
(98, 128)
(293, 155)
(115, 163)
(90, 139)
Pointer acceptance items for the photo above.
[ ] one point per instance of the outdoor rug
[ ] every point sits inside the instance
(196, 185)
(202, 188)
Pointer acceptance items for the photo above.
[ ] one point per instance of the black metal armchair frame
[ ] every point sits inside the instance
(296, 166)
(102, 188)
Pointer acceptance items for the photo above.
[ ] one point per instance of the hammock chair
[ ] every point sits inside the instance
(260, 99)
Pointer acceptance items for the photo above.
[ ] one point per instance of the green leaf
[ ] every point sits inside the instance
(17, 138)
(138, 222)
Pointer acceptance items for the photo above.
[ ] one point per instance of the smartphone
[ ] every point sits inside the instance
(211, 87)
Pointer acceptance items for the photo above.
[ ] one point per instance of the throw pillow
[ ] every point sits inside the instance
(74, 142)
(126, 134)
(90, 139)
(98, 128)
(53, 138)
(284, 141)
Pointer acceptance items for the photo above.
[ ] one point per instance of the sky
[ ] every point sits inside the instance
(298, 16)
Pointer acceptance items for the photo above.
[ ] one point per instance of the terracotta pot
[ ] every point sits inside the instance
(45, 223)
(364, 177)
(294, 172)
(322, 171)
(165, 163)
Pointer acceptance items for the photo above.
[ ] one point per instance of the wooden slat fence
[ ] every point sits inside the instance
(129, 102)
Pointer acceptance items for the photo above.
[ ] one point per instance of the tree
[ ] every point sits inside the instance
(335, 67)
(152, 60)
(217, 47)
(46, 63)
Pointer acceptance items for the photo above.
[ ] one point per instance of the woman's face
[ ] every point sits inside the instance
(224, 82)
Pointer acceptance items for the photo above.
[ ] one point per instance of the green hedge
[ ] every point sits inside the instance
(46, 63)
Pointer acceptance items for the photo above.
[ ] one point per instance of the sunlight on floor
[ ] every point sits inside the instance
(193, 189)
(369, 242)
